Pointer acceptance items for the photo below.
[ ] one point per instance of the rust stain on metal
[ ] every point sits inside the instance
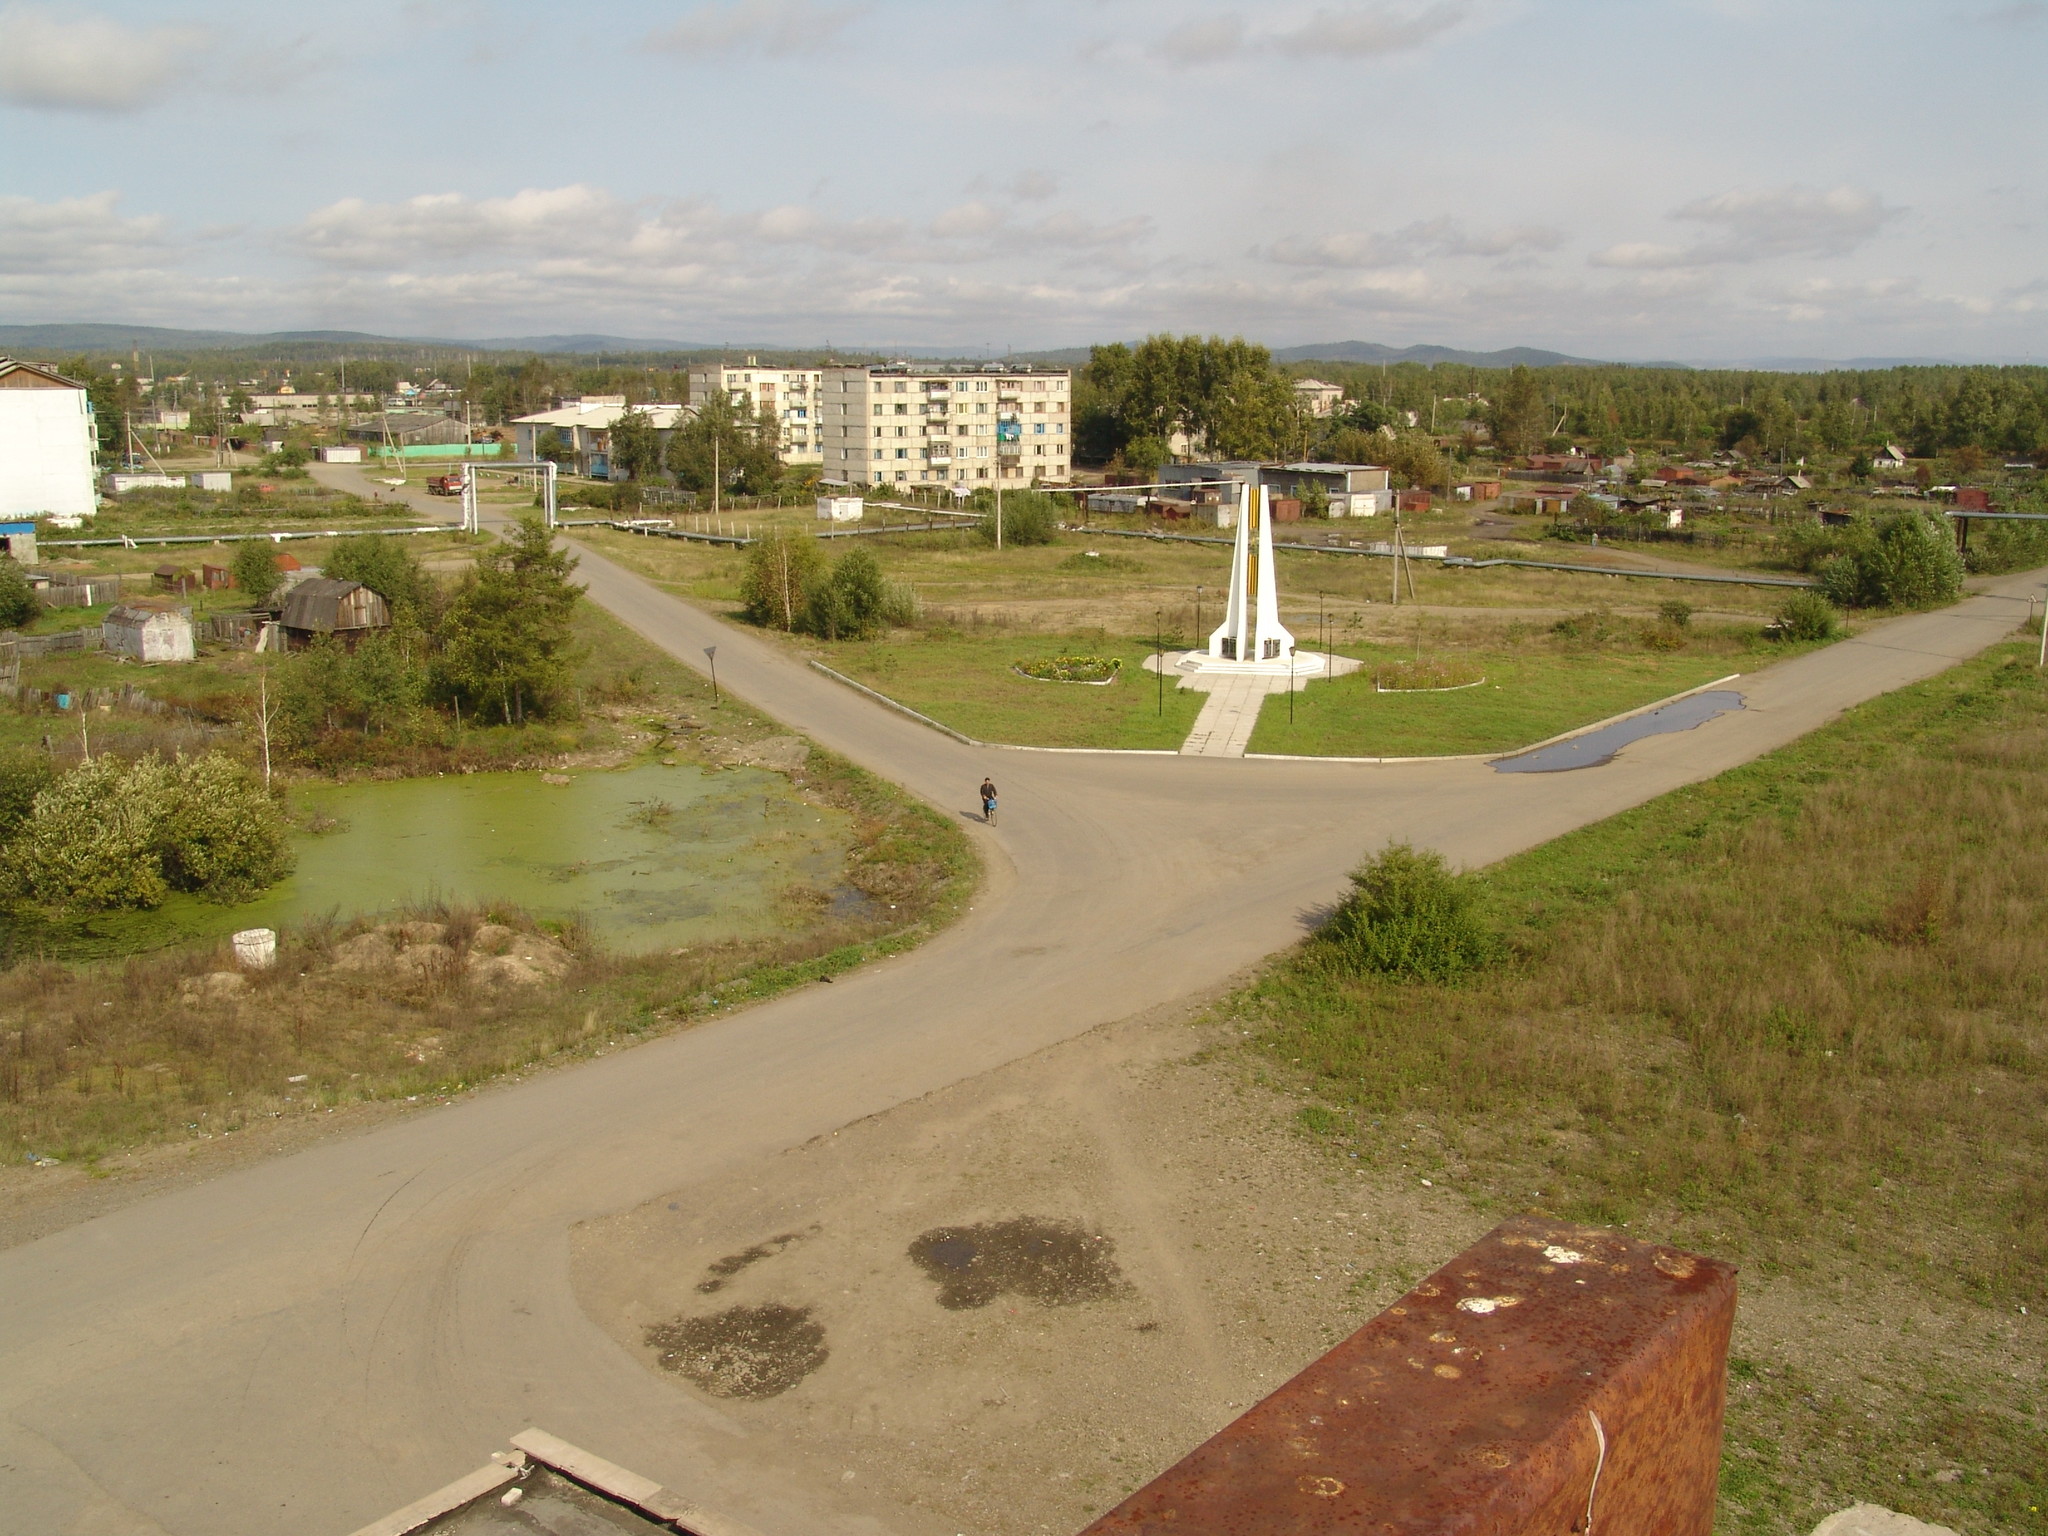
(1551, 1379)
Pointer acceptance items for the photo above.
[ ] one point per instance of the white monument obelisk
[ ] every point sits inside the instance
(1251, 637)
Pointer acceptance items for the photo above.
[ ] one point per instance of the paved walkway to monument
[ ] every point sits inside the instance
(1225, 725)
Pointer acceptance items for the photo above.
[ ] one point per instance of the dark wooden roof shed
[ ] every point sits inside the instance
(324, 606)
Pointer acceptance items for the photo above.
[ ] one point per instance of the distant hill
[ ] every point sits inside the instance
(1373, 352)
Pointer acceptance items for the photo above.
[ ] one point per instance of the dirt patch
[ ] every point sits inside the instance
(749, 1352)
(1052, 1262)
(719, 1271)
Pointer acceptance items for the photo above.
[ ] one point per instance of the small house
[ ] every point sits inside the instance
(18, 542)
(1973, 498)
(217, 480)
(341, 453)
(1888, 457)
(347, 610)
(216, 578)
(173, 578)
(1412, 501)
(148, 632)
(841, 509)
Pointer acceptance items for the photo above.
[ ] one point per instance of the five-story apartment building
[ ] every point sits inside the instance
(893, 424)
(784, 399)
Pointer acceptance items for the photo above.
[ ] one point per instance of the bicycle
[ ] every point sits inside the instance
(988, 812)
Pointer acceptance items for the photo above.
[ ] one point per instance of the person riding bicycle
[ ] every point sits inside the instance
(988, 800)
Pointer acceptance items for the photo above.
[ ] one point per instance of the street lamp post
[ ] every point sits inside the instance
(1159, 629)
(711, 655)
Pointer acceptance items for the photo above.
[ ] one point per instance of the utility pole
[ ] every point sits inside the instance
(1159, 627)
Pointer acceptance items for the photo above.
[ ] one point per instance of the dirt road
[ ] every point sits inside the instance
(304, 1344)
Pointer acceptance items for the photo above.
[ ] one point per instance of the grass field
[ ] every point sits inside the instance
(969, 683)
(1794, 1017)
(1527, 696)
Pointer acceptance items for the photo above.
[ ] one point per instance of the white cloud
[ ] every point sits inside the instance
(777, 28)
(65, 59)
(354, 233)
(1204, 40)
(1033, 186)
(1360, 31)
(1345, 32)
(79, 235)
(1434, 237)
(2022, 13)
(966, 221)
(1758, 226)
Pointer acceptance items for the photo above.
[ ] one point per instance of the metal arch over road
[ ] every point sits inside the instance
(307, 1342)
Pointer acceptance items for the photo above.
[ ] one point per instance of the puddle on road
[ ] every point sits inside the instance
(1047, 1261)
(1597, 747)
(750, 1352)
(719, 1271)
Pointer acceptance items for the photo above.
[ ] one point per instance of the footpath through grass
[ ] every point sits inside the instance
(970, 682)
(1794, 1017)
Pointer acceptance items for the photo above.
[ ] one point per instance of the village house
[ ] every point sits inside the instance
(1317, 398)
(346, 610)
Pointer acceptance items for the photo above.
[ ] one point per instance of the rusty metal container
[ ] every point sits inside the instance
(1551, 1379)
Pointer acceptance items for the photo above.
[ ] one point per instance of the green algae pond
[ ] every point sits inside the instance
(649, 857)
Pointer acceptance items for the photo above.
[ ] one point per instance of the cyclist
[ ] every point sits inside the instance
(988, 801)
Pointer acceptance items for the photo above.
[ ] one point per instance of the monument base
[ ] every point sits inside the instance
(1191, 666)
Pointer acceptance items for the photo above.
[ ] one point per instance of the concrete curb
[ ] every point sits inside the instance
(901, 709)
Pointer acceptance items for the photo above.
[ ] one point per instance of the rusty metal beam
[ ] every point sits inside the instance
(1552, 1378)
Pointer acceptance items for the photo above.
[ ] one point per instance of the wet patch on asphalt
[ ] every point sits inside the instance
(750, 1352)
(1053, 1262)
(720, 1271)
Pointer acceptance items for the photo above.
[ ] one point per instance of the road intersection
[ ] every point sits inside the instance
(310, 1341)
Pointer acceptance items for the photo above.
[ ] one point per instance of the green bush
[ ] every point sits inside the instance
(1996, 548)
(254, 566)
(1408, 916)
(18, 604)
(1807, 616)
(857, 601)
(1909, 561)
(782, 573)
(23, 776)
(1029, 517)
(110, 834)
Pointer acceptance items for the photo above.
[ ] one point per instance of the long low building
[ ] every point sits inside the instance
(895, 424)
(577, 434)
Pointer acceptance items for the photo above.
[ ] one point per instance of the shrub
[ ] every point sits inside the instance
(1676, 612)
(1072, 669)
(781, 574)
(857, 601)
(18, 603)
(1999, 547)
(110, 834)
(23, 776)
(255, 570)
(1908, 562)
(1029, 517)
(1408, 916)
(1807, 616)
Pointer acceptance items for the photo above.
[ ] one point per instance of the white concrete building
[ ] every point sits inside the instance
(1317, 398)
(892, 424)
(784, 398)
(583, 428)
(47, 442)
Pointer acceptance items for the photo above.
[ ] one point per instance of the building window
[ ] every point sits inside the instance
(902, 453)
(1038, 427)
(1059, 429)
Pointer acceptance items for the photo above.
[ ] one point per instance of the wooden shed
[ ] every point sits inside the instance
(322, 606)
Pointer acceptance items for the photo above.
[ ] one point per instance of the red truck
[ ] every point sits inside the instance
(445, 485)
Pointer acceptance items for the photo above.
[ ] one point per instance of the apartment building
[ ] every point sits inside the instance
(785, 397)
(894, 424)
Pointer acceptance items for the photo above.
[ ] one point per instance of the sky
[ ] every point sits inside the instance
(1632, 179)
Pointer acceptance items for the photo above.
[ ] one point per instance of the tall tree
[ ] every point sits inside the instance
(724, 444)
(635, 445)
(506, 639)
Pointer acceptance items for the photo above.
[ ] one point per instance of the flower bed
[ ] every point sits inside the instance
(1435, 675)
(1098, 670)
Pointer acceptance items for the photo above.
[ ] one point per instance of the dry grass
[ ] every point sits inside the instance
(1793, 1016)
(95, 1058)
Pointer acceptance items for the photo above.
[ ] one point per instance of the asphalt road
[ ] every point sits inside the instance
(306, 1343)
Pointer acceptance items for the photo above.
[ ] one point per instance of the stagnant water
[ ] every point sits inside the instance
(651, 857)
(1597, 747)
